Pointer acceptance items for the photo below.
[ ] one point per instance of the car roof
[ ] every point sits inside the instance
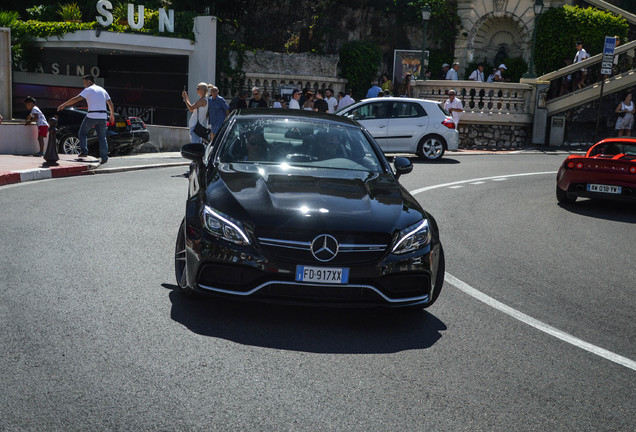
(300, 114)
(397, 98)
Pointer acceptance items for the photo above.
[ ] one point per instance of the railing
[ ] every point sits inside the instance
(483, 102)
(273, 83)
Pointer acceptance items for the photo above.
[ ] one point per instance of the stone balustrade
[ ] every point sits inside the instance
(485, 103)
(272, 83)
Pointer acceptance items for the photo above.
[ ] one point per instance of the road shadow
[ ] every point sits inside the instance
(601, 209)
(442, 161)
(316, 330)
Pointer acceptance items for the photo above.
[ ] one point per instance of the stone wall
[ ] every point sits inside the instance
(477, 136)
(268, 62)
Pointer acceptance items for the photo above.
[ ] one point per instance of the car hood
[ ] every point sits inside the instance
(275, 197)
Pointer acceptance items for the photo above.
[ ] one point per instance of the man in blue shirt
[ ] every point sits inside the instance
(374, 90)
(218, 110)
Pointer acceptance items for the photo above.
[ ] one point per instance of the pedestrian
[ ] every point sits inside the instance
(98, 100)
(491, 77)
(277, 103)
(198, 112)
(293, 102)
(239, 101)
(303, 97)
(478, 74)
(625, 123)
(387, 85)
(405, 86)
(35, 115)
(374, 90)
(452, 72)
(445, 68)
(257, 101)
(346, 99)
(581, 55)
(320, 104)
(309, 101)
(267, 97)
(218, 110)
(454, 106)
(331, 101)
(566, 82)
(498, 77)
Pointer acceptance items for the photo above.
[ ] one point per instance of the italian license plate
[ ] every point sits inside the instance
(331, 275)
(121, 124)
(604, 188)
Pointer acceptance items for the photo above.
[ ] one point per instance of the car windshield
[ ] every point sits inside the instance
(614, 148)
(299, 142)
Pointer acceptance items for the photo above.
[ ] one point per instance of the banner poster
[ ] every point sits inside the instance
(405, 61)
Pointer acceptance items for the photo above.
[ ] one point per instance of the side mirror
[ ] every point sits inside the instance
(402, 166)
(193, 151)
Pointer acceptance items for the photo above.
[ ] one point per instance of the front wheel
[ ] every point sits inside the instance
(180, 265)
(431, 147)
(69, 145)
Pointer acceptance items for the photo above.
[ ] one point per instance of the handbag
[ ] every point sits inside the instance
(201, 130)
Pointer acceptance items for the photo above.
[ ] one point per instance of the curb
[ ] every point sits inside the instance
(25, 175)
(20, 176)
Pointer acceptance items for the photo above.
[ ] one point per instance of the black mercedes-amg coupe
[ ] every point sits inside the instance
(302, 207)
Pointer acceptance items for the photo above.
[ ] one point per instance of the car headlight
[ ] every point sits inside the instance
(412, 238)
(224, 227)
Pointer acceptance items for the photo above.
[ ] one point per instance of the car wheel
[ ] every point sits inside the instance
(562, 196)
(431, 147)
(69, 145)
(180, 267)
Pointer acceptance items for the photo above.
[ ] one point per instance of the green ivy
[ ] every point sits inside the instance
(559, 28)
(360, 64)
(225, 72)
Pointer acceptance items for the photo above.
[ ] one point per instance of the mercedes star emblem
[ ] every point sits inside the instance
(324, 247)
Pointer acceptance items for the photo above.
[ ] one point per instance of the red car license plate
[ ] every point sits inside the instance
(604, 188)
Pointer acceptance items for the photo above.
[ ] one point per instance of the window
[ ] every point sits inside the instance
(372, 111)
(407, 110)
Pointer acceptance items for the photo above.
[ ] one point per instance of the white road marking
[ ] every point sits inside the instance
(566, 337)
(427, 188)
(462, 286)
(477, 183)
(500, 179)
(455, 187)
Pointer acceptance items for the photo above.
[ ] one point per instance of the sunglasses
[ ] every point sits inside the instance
(256, 94)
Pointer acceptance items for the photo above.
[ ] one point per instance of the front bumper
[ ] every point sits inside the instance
(224, 269)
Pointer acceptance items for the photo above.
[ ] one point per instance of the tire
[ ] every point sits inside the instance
(439, 278)
(69, 145)
(180, 265)
(431, 147)
(562, 196)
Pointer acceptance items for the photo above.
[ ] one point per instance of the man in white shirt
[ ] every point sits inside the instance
(293, 102)
(332, 102)
(478, 74)
(97, 99)
(346, 100)
(499, 73)
(452, 72)
(454, 106)
(581, 54)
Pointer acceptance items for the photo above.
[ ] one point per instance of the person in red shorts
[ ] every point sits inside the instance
(37, 117)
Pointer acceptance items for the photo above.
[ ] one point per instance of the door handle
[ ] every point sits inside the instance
(381, 126)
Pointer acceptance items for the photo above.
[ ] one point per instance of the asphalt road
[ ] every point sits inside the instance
(94, 337)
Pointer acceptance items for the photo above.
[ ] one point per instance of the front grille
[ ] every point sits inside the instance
(404, 285)
(231, 277)
(321, 293)
(352, 249)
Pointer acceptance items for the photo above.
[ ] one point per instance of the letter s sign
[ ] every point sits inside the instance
(103, 8)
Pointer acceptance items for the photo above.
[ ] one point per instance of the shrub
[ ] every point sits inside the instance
(360, 64)
(559, 28)
(70, 12)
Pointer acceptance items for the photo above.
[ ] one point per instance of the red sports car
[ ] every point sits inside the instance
(607, 171)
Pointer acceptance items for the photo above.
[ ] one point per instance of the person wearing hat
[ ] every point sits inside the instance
(293, 102)
(499, 74)
(454, 106)
(444, 71)
(452, 72)
(581, 54)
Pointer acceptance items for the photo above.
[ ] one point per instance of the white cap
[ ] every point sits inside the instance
(502, 66)
(445, 65)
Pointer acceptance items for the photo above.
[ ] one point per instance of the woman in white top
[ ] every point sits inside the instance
(199, 110)
(625, 123)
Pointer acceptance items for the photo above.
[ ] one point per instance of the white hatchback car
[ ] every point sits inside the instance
(406, 125)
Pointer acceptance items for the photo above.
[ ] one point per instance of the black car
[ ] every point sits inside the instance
(139, 131)
(303, 207)
(118, 134)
